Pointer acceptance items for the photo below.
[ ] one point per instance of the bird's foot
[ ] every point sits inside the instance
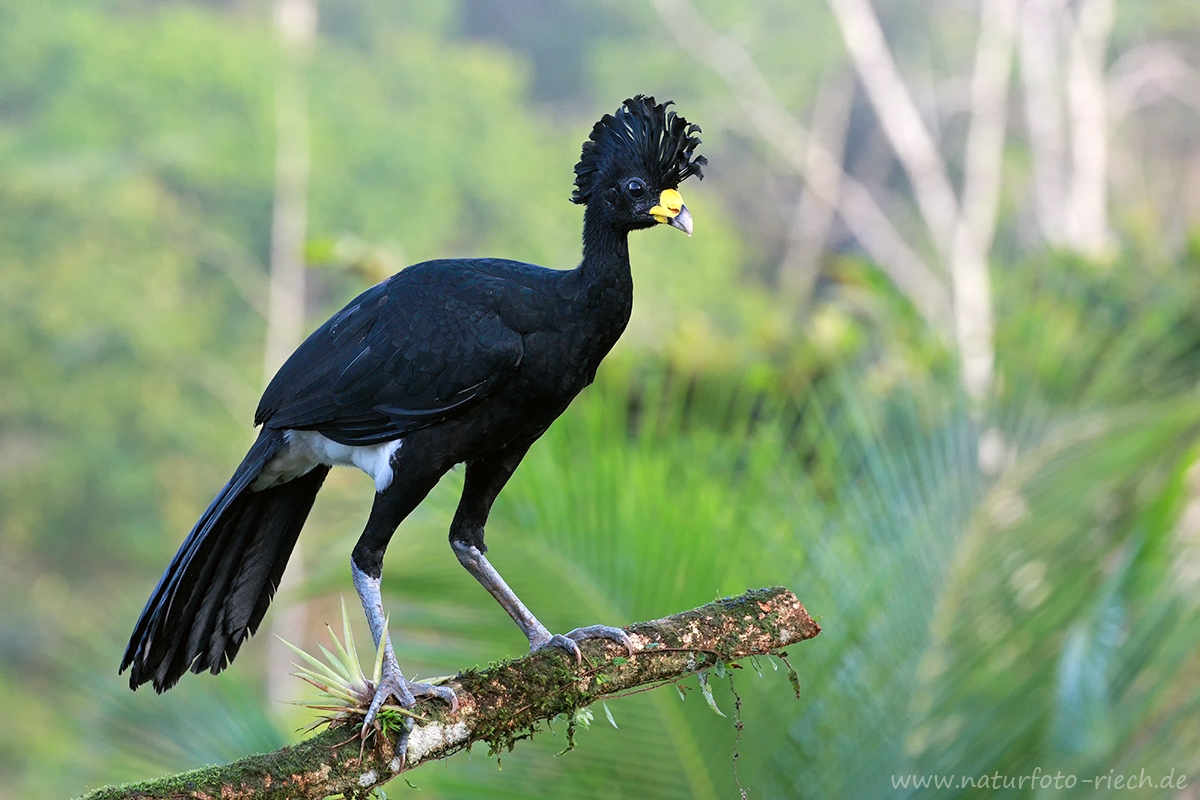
(393, 684)
(570, 641)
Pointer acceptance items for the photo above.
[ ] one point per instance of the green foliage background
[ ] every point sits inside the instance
(1041, 617)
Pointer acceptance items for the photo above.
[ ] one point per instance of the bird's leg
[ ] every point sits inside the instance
(540, 638)
(477, 564)
(392, 682)
(392, 505)
(484, 480)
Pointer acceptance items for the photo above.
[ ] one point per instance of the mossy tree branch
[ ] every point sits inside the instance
(502, 704)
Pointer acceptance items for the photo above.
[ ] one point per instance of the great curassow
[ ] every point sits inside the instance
(446, 362)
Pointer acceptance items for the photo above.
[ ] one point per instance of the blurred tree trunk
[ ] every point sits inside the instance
(295, 22)
(808, 157)
(1045, 120)
(960, 227)
(1068, 120)
(1086, 220)
(1062, 47)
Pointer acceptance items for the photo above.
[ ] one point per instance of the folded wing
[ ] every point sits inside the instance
(407, 353)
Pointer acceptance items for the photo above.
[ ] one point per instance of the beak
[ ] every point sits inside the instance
(672, 211)
(682, 220)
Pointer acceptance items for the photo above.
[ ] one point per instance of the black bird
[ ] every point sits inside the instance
(446, 362)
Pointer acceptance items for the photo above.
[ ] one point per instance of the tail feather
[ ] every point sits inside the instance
(217, 588)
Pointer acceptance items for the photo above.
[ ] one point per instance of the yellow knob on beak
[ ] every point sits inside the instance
(672, 211)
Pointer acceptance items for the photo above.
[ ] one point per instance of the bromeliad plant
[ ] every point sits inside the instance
(345, 692)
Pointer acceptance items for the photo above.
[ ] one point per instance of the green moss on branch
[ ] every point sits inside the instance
(503, 703)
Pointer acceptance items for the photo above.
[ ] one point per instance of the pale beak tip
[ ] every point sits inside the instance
(682, 221)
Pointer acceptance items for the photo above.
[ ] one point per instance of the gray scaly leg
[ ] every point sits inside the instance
(539, 637)
(392, 682)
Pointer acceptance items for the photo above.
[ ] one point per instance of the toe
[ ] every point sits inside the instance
(561, 642)
(373, 709)
(603, 632)
(443, 693)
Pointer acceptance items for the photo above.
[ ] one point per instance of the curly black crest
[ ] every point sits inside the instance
(647, 134)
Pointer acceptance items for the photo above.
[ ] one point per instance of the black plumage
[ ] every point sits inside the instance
(446, 362)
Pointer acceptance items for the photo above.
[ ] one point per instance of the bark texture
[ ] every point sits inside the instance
(502, 704)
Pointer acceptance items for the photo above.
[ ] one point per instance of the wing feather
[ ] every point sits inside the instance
(417, 349)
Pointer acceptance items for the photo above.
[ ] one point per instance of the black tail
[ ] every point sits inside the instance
(217, 588)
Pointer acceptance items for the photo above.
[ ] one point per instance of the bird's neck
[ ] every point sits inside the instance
(603, 281)
(605, 253)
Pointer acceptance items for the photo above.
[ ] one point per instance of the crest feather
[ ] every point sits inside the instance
(658, 139)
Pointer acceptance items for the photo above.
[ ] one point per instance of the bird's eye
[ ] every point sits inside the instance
(636, 188)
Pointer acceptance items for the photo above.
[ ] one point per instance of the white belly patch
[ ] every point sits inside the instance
(305, 450)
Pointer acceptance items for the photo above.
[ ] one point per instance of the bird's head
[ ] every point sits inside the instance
(633, 163)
